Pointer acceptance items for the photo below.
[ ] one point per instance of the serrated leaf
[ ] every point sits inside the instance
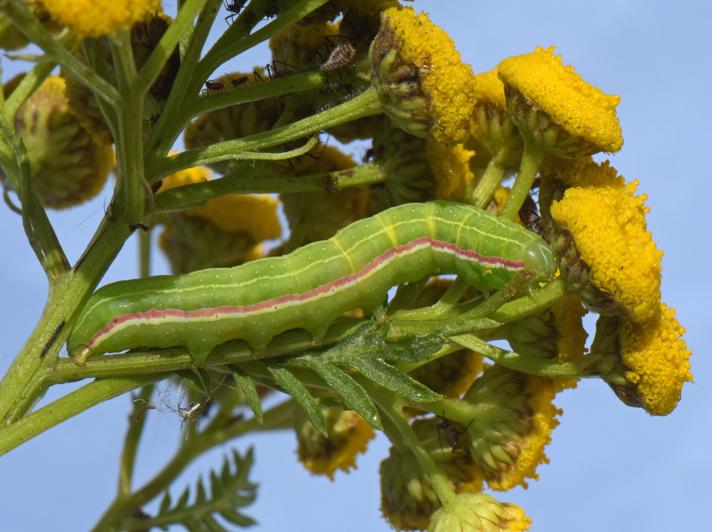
(393, 379)
(294, 387)
(165, 503)
(354, 395)
(370, 340)
(252, 397)
(196, 380)
(183, 499)
(236, 518)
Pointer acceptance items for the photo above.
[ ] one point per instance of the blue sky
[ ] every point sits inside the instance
(612, 467)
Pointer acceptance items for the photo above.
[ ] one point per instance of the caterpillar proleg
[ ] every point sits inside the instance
(312, 286)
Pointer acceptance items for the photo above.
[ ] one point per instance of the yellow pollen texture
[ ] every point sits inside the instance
(658, 359)
(542, 422)
(489, 89)
(255, 215)
(585, 172)
(608, 227)
(93, 18)
(446, 80)
(581, 109)
(451, 169)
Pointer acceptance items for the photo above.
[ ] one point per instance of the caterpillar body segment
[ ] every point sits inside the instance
(312, 286)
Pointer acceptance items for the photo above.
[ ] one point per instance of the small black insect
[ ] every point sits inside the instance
(214, 85)
(233, 7)
(342, 55)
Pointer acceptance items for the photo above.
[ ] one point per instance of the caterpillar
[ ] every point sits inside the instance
(310, 287)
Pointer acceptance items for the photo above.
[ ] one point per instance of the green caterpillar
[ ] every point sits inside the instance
(312, 286)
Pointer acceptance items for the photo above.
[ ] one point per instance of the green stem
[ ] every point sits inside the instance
(528, 364)
(137, 422)
(276, 418)
(158, 362)
(196, 194)
(488, 183)
(531, 162)
(18, 12)
(129, 146)
(274, 88)
(24, 381)
(163, 134)
(233, 43)
(37, 226)
(183, 24)
(402, 436)
(365, 104)
(34, 78)
(68, 406)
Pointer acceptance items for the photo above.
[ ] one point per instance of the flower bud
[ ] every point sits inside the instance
(477, 512)
(508, 439)
(94, 18)
(424, 87)
(348, 434)
(68, 165)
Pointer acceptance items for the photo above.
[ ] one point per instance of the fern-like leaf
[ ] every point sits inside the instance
(229, 490)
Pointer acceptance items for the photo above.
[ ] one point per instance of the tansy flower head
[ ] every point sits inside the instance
(405, 166)
(517, 417)
(424, 87)
(68, 164)
(608, 228)
(494, 135)
(222, 232)
(656, 362)
(235, 121)
(349, 435)
(556, 333)
(302, 46)
(450, 375)
(477, 512)
(451, 170)
(318, 215)
(553, 106)
(582, 172)
(93, 18)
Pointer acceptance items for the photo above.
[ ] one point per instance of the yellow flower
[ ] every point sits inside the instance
(68, 164)
(224, 231)
(493, 132)
(451, 169)
(407, 496)
(508, 439)
(583, 172)
(582, 111)
(301, 46)
(477, 512)
(657, 359)
(609, 231)
(93, 18)
(349, 435)
(570, 335)
(423, 84)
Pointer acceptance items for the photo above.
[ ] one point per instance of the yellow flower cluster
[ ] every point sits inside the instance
(581, 109)
(657, 359)
(93, 18)
(608, 226)
(255, 215)
(445, 80)
(451, 170)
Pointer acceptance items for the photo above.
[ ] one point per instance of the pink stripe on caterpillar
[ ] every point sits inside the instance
(378, 262)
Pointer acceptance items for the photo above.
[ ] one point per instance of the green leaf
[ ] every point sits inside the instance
(393, 379)
(247, 385)
(354, 395)
(370, 339)
(294, 387)
(230, 490)
(196, 379)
